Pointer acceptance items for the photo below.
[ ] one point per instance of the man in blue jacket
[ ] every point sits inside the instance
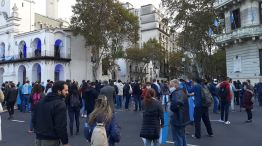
(213, 91)
(201, 111)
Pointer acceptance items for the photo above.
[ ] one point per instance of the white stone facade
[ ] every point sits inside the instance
(42, 53)
(243, 44)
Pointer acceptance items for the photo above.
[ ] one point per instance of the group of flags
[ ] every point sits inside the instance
(217, 22)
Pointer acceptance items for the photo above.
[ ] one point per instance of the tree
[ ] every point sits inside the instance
(105, 24)
(151, 51)
(194, 18)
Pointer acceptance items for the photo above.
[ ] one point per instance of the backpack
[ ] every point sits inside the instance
(74, 101)
(2, 96)
(222, 92)
(207, 98)
(36, 98)
(99, 136)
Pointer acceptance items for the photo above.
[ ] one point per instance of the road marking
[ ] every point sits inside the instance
(171, 142)
(18, 121)
(216, 121)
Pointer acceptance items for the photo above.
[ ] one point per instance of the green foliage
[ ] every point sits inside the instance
(194, 17)
(105, 25)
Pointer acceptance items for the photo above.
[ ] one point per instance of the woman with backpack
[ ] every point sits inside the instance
(153, 119)
(102, 129)
(34, 99)
(74, 104)
(247, 102)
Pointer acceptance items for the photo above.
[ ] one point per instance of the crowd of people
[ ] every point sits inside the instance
(186, 101)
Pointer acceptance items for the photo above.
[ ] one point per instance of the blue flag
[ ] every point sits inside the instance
(216, 23)
(253, 16)
(210, 32)
(232, 19)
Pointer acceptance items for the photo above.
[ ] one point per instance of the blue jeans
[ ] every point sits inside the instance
(150, 142)
(83, 109)
(119, 101)
(179, 136)
(25, 103)
(127, 101)
(31, 121)
(216, 103)
(137, 102)
(224, 110)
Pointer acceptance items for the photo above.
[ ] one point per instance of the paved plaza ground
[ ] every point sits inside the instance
(237, 133)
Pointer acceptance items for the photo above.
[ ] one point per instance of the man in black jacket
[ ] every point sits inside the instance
(49, 120)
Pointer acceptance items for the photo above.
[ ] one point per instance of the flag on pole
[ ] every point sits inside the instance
(253, 15)
(216, 23)
(232, 19)
(210, 31)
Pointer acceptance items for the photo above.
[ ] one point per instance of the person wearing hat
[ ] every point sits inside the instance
(213, 91)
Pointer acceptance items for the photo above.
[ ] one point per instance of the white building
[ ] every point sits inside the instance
(35, 46)
(152, 26)
(242, 37)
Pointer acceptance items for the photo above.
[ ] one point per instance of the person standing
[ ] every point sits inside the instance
(157, 88)
(50, 120)
(225, 100)
(153, 119)
(213, 91)
(11, 100)
(35, 97)
(90, 97)
(232, 94)
(103, 115)
(110, 93)
(119, 97)
(26, 91)
(137, 96)
(201, 110)
(165, 95)
(247, 101)
(74, 104)
(180, 113)
(127, 91)
(259, 92)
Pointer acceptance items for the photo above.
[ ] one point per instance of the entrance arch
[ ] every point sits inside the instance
(22, 50)
(59, 72)
(22, 74)
(2, 51)
(36, 73)
(58, 48)
(2, 71)
(37, 47)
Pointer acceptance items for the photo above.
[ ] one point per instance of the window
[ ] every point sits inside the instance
(235, 19)
(22, 4)
(260, 61)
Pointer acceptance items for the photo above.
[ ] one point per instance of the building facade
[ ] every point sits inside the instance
(38, 47)
(153, 25)
(241, 37)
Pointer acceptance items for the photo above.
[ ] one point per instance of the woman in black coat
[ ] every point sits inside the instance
(153, 119)
(11, 96)
(74, 104)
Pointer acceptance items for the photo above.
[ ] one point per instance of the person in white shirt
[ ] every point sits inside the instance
(119, 97)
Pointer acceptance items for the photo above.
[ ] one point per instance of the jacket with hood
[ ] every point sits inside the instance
(226, 85)
(50, 120)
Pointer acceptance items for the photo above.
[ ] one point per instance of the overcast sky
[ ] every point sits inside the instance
(65, 10)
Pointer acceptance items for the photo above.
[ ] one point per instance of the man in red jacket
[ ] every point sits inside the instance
(225, 97)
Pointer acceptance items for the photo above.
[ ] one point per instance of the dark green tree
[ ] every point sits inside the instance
(105, 25)
(193, 18)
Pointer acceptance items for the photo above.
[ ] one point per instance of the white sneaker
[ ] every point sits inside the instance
(221, 121)
(227, 122)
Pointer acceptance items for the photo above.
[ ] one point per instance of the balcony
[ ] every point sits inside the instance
(224, 3)
(241, 33)
(35, 56)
